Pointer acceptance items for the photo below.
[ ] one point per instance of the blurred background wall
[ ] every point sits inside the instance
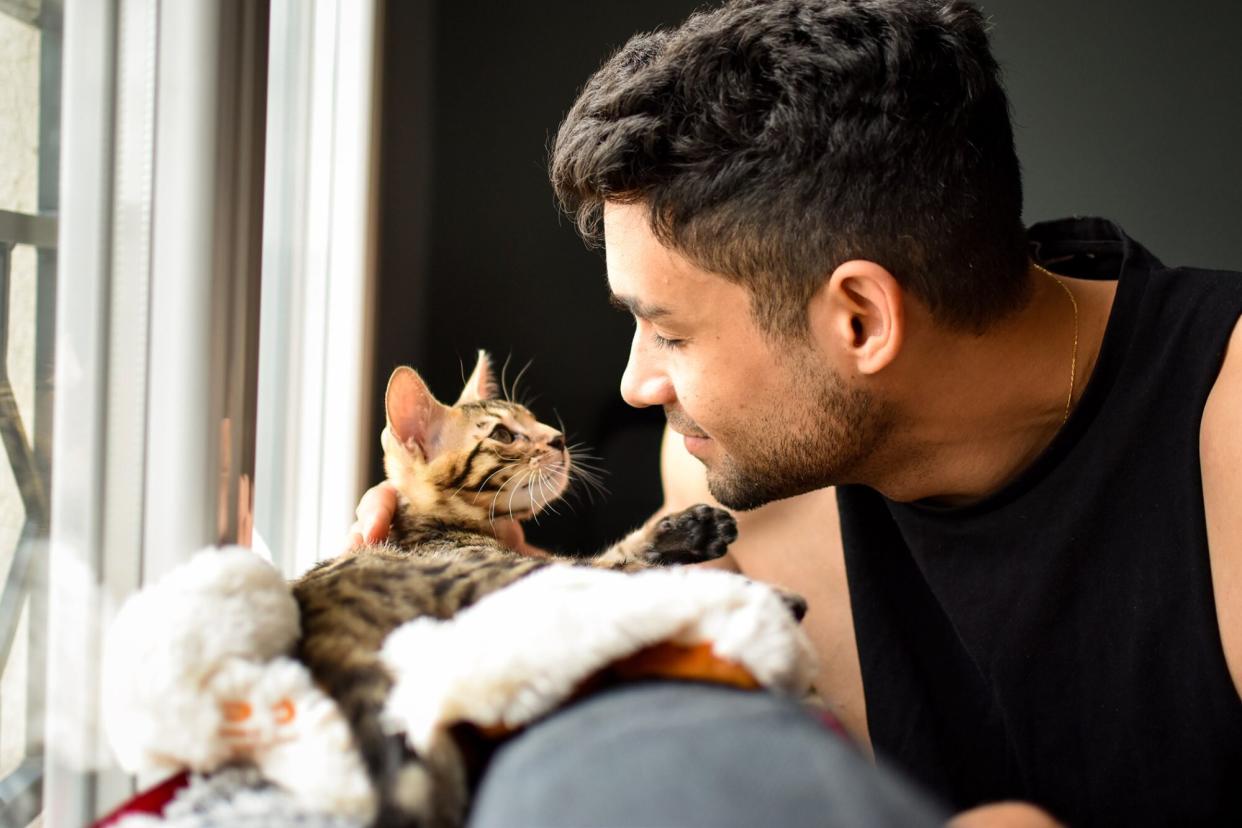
(1131, 111)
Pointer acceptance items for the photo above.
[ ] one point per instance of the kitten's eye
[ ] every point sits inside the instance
(501, 434)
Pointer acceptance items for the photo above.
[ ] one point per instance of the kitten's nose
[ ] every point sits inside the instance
(557, 442)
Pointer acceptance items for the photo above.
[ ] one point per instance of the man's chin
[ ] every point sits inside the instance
(742, 492)
(741, 496)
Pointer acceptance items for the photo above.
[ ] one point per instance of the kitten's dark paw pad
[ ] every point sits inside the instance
(700, 533)
(794, 602)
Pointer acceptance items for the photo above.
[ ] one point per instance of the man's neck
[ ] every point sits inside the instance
(983, 407)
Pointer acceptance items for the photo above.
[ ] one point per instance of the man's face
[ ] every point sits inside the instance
(768, 419)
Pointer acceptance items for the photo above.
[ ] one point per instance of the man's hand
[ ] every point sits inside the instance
(374, 516)
(378, 505)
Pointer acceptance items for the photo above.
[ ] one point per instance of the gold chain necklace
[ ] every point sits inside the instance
(1069, 400)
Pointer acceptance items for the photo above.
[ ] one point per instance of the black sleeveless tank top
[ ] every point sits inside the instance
(1057, 642)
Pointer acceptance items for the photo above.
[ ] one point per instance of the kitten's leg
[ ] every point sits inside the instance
(695, 535)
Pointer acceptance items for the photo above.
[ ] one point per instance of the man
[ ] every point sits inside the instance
(1029, 586)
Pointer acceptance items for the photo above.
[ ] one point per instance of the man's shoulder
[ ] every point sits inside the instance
(1220, 451)
(1221, 431)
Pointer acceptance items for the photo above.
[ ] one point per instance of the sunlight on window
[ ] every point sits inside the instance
(19, 115)
(19, 154)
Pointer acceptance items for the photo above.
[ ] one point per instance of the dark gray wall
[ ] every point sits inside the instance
(1133, 111)
(1134, 116)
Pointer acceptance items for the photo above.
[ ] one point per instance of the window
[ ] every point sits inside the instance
(260, 188)
(29, 112)
(317, 278)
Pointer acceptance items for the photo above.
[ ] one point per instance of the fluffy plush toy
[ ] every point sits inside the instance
(197, 671)
(197, 676)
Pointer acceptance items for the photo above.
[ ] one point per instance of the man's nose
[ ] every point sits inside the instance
(644, 383)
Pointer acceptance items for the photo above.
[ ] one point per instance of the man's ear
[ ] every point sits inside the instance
(860, 312)
(414, 415)
(481, 385)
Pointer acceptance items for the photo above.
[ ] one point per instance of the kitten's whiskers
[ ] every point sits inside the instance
(590, 475)
(503, 369)
(491, 517)
(490, 476)
(513, 391)
(549, 502)
(511, 494)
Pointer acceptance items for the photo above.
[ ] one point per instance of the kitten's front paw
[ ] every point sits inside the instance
(695, 535)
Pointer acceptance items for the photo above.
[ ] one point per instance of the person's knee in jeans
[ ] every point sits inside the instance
(690, 754)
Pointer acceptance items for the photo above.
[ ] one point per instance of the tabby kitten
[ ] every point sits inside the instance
(456, 469)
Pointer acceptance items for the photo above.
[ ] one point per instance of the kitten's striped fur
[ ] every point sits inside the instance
(456, 469)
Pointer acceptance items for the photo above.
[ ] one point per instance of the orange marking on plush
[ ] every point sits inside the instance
(679, 662)
(695, 662)
(284, 711)
(236, 711)
(236, 733)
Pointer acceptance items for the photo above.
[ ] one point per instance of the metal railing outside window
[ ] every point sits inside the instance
(30, 53)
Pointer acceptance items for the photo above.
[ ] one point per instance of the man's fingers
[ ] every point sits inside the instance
(382, 497)
(375, 512)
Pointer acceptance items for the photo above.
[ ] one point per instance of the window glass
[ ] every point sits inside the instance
(29, 89)
(19, 114)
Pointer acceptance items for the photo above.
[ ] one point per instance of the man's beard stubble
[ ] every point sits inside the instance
(841, 427)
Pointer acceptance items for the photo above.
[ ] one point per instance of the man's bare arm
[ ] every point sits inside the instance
(1220, 452)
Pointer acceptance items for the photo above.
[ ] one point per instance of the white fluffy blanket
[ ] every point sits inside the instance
(523, 651)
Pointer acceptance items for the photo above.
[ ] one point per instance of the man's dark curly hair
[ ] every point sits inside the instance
(772, 140)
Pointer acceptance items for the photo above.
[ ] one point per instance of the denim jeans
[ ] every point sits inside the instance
(682, 754)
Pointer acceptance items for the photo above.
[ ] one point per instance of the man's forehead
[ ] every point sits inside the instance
(637, 263)
(649, 280)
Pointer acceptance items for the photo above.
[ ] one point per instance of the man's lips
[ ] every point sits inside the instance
(696, 446)
(696, 442)
(683, 427)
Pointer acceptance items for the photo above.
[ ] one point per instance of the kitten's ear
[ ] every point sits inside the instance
(414, 415)
(481, 385)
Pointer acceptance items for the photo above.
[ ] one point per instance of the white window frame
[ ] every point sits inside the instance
(27, 443)
(315, 342)
(158, 320)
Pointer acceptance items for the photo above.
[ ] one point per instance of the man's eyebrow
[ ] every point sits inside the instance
(635, 306)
